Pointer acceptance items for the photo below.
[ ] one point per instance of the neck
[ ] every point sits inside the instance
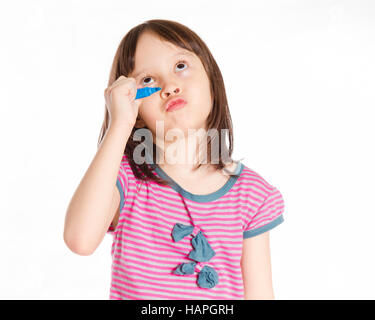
(183, 154)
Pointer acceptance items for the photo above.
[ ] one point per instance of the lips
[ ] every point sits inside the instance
(175, 103)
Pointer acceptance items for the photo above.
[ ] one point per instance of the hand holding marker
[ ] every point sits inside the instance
(121, 106)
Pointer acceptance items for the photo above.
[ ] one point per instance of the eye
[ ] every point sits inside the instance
(181, 63)
(147, 77)
(178, 65)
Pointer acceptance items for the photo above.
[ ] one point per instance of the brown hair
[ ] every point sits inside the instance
(219, 117)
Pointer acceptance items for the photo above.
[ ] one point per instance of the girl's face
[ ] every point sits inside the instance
(179, 73)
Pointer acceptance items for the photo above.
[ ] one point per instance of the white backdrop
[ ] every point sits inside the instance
(299, 77)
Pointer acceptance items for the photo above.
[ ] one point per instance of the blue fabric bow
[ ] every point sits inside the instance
(202, 252)
(180, 231)
(185, 268)
(207, 277)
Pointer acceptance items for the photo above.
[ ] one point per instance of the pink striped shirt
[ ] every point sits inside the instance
(144, 254)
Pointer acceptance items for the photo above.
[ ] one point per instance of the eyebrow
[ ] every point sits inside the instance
(180, 53)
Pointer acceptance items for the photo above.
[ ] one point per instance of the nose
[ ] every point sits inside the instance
(169, 90)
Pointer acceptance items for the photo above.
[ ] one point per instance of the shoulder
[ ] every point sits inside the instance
(125, 177)
(264, 203)
(256, 191)
(126, 169)
(254, 182)
(125, 160)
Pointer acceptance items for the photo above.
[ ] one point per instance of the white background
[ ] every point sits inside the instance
(299, 78)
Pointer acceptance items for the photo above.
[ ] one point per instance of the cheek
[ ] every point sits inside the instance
(149, 113)
(202, 95)
(146, 111)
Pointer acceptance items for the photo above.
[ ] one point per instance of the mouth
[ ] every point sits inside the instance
(175, 104)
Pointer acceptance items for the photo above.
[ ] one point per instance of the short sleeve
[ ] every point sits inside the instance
(122, 183)
(267, 216)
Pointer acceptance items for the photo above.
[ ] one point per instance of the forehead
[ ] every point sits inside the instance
(150, 48)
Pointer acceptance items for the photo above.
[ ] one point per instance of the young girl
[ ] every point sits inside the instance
(186, 230)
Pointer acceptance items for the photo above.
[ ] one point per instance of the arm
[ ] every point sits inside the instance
(90, 210)
(256, 268)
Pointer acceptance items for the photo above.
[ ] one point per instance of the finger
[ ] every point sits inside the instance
(119, 82)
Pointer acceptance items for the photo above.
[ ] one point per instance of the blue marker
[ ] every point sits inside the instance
(145, 92)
